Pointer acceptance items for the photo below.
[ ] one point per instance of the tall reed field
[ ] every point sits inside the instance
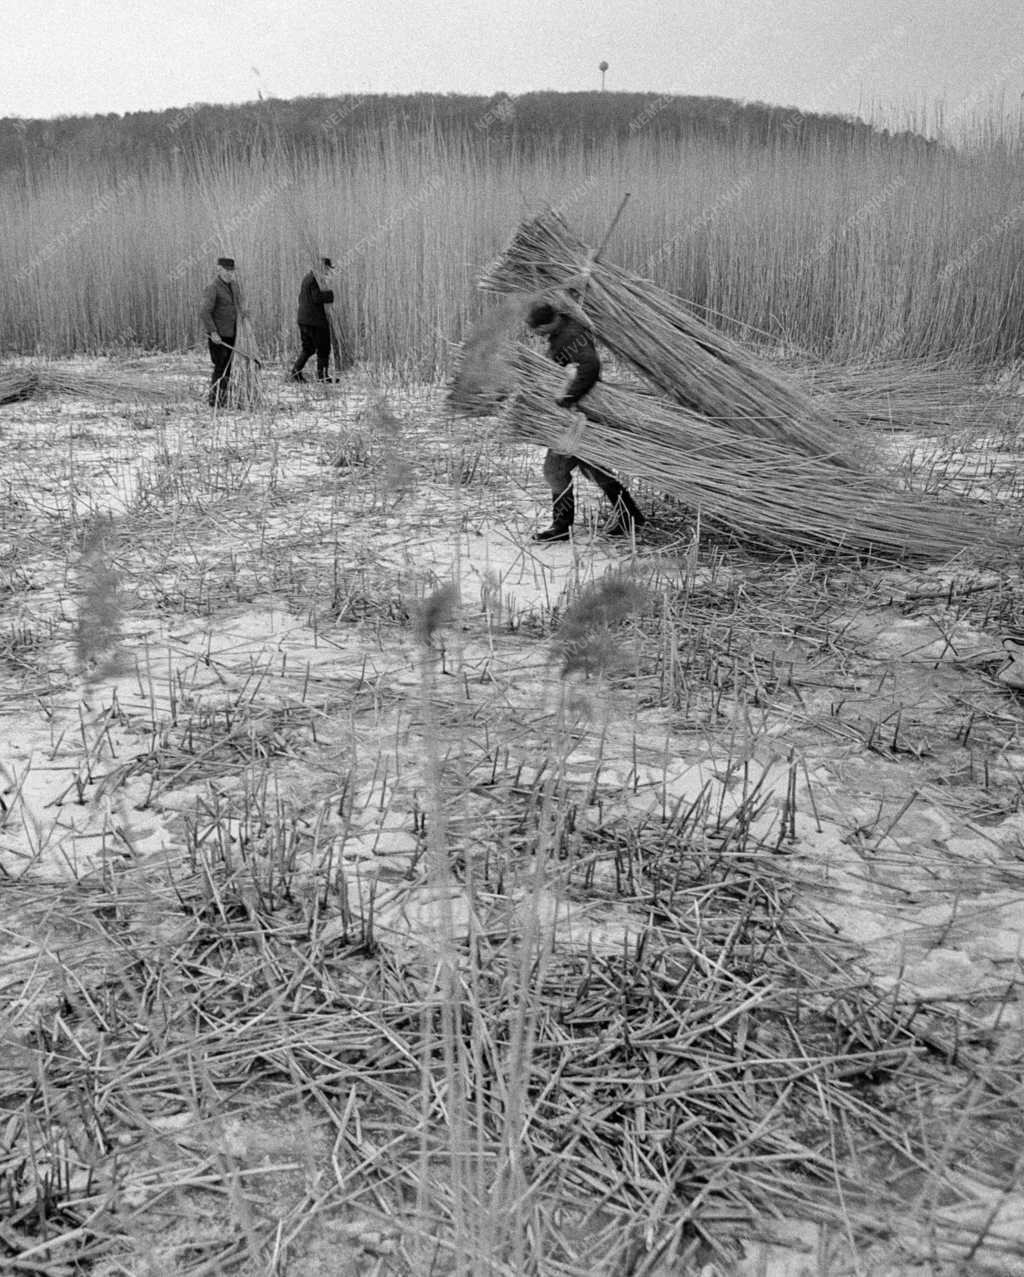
(850, 249)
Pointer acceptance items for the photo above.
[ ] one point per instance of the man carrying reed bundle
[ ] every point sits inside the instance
(569, 342)
(219, 313)
(691, 362)
(314, 327)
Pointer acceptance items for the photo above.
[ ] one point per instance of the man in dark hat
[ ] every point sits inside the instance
(570, 342)
(314, 327)
(219, 314)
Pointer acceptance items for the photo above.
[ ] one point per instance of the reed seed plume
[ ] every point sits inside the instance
(399, 474)
(382, 431)
(98, 626)
(381, 419)
(588, 640)
(483, 376)
(437, 611)
(350, 449)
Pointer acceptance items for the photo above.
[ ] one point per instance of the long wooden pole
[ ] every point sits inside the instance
(593, 258)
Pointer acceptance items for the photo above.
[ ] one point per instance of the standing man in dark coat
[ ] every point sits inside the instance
(569, 342)
(314, 327)
(219, 314)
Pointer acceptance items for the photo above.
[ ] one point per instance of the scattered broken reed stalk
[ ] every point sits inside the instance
(699, 367)
(753, 487)
(661, 1099)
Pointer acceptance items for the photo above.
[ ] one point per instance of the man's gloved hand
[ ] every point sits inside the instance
(566, 402)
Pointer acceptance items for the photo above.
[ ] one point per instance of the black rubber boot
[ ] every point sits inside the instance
(563, 512)
(554, 533)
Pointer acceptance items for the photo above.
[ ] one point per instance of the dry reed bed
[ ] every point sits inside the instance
(514, 1109)
(621, 1111)
(754, 488)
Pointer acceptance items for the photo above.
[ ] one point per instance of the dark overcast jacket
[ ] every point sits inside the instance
(312, 299)
(219, 309)
(570, 342)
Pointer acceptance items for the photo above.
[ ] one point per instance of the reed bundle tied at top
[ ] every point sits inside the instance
(245, 387)
(755, 488)
(696, 365)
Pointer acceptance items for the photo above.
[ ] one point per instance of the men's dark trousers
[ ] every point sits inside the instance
(558, 468)
(221, 356)
(316, 340)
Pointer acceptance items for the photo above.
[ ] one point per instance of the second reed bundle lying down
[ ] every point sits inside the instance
(756, 489)
(699, 367)
(37, 380)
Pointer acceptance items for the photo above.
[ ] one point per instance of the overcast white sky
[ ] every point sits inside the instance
(88, 56)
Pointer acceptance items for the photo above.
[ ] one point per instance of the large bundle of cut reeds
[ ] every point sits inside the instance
(245, 388)
(757, 489)
(37, 380)
(18, 384)
(901, 394)
(698, 366)
(341, 342)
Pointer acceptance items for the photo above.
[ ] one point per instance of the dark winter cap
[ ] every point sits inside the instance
(327, 262)
(540, 313)
(227, 262)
